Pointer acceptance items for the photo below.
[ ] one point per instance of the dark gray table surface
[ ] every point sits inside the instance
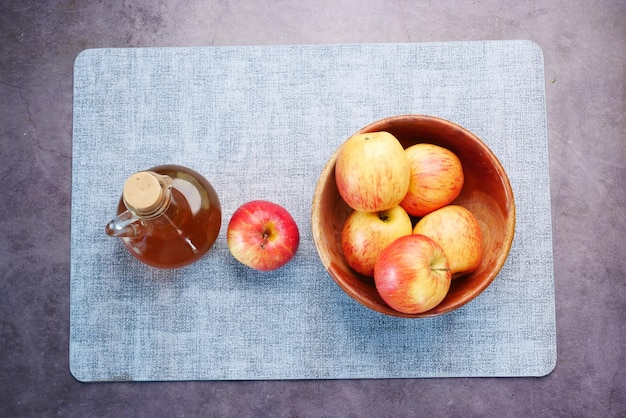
(584, 48)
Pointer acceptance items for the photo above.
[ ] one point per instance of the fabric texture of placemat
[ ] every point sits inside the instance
(260, 122)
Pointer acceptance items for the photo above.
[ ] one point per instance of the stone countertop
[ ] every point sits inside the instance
(584, 50)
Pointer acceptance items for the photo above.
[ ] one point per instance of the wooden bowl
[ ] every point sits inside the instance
(486, 193)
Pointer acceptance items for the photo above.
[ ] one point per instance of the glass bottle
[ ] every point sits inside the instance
(168, 216)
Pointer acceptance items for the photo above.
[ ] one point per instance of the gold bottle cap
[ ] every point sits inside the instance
(143, 193)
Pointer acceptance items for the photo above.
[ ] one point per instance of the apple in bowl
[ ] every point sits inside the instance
(372, 172)
(458, 232)
(366, 234)
(436, 178)
(412, 274)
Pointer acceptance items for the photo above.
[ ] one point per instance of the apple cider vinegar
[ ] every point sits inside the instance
(168, 216)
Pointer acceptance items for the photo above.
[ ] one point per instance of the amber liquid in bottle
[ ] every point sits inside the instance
(187, 229)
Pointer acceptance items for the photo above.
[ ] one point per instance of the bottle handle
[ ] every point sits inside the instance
(124, 225)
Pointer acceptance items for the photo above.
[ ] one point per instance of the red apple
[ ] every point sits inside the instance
(372, 172)
(458, 232)
(436, 178)
(262, 235)
(412, 274)
(366, 234)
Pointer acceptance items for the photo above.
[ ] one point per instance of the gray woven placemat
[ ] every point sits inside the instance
(260, 122)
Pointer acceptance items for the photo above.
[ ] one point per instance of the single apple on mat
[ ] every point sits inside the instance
(412, 274)
(436, 178)
(458, 232)
(366, 234)
(372, 172)
(262, 235)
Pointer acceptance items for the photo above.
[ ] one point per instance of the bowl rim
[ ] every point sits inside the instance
(507, 241)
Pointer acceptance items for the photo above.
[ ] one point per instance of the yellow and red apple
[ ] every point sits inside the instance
(436, 178)
(372, 172)
(412, 274)
(366, 234)
(262, 235)
(458, 232)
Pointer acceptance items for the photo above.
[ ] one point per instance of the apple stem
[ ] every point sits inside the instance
(266, 235)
